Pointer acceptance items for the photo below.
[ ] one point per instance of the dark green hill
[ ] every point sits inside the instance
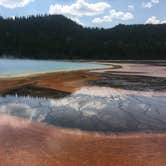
(57, 37)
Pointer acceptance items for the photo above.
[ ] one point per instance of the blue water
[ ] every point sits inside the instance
(16, 67)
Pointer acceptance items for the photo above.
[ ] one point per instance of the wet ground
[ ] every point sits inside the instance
(102, 113)
(119, 105)
(32, 144)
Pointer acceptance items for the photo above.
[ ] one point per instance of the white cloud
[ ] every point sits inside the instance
(155, 20)
(147, 5)
(77, 20)
(150, 4)
(155, 1)
(114, 15)
(131, 7)
(14, 3)
(79, 8)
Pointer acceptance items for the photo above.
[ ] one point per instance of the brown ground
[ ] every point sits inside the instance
(150, 76)
(31, 144)
(62, 81)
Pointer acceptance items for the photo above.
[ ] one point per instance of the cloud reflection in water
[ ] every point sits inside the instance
(93, 109)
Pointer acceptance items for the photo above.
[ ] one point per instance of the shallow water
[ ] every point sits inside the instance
(15, 67)
(115, 102)
(104, 111)
(127, 99)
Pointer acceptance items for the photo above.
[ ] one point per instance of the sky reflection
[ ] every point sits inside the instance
(93, 109)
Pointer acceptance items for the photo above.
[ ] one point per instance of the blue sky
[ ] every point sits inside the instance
(91, 13)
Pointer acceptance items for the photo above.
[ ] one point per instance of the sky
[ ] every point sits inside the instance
(91, 13)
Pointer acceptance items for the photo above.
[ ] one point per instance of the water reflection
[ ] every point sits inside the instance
(34, 91)
(93, 109)
(130, 81)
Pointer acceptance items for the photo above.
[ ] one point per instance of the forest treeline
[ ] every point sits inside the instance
(57, 37)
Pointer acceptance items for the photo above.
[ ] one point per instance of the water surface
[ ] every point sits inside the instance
(127, 99)
(16, 67)
(93, 109)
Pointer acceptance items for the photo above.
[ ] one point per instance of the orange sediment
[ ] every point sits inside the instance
(33, 144)
(62, 81)
(26, 143)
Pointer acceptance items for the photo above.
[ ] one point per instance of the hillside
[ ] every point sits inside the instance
(57, 37)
